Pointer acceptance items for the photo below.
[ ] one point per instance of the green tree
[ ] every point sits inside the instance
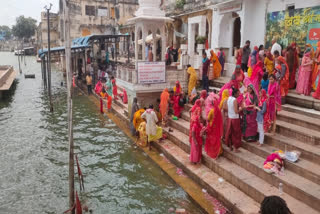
(5, 31)
(24, 27)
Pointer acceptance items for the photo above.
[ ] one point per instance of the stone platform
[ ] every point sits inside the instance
(245, 183)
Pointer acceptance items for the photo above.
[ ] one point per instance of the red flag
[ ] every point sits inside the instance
(78, 205)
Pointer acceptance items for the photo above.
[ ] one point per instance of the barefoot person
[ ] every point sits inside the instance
(261, 112)
(195, 140)
(233, 133)
(274, 100)
(153, 131)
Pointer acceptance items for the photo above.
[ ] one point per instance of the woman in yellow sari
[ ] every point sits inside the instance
(223, 108)
(268, 63)
(192, 78)
(137, 120)
(216, 66)
(142, 134)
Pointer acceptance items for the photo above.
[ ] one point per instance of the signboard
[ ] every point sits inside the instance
(102, 12)
(151, 72)
(230, 8)
(300, 25)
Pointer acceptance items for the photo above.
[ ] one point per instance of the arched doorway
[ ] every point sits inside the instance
(236, 33)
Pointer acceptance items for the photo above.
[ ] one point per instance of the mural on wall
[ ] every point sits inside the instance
(300, 25)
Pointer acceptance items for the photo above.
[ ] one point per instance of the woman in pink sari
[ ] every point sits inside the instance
(274, 100)
(236, 81)
(305, 71)
(214, 131)
(195, 140)
(257, 74)
(177, 108)
(98, 87)
(250, 125)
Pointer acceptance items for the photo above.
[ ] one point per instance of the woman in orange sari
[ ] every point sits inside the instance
(284, 76)
(164, 104)
(216, 66)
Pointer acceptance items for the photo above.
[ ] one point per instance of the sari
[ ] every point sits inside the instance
(164, 104)
(225, 96)
(315, 73)
(250, 125)
(177, 89)
(253, 59)
(266, 116)
(216, 66)
(257, 74)
(268, 63)
(176, 107)
(293, 60)
(192, 79)
(134, 109)
(214, 131)
(274, 100)
(284, 82)
(137, 119)
(114, 89)
(98, 87)
(125, 97)
(142, 134)
(203, 94)
(196, 146)
(209, 103)
(303, 86)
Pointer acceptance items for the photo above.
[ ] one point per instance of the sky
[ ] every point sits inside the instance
(11, 9)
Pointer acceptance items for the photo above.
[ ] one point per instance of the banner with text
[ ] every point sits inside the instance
(151, 72)
(299, 25)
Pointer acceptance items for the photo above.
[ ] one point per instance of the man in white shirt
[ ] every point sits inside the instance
(275, 47)
(152, 130)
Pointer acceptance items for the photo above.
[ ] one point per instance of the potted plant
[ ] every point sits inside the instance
(201, 39)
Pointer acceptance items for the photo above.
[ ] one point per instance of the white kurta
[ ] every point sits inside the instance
(152, 119)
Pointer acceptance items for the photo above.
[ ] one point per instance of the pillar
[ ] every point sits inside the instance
(154, 48)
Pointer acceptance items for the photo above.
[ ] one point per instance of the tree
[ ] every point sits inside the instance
(24, 27)
(5, 31)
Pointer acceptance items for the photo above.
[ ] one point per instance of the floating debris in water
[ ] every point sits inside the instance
(219, 208)
(180, 172)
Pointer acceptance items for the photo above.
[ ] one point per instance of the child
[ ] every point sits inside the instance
(265, 82)
(261, 110)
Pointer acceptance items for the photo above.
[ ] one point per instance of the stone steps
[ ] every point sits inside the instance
(254, 163)
(309, 170)
(300, 110)
(299, 120)
(246, 181)
(293, 184)
(228, 194)
(300, 133)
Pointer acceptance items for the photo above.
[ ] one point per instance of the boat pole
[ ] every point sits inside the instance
(49, 57)
(70, 110)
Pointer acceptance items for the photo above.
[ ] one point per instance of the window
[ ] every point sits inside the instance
(90, 10)
(290, 9)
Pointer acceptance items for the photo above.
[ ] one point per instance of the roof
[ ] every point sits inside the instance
(82, 42)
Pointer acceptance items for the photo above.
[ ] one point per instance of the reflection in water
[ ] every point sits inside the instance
(34, 156)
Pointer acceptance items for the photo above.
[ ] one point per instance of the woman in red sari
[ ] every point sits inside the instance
(177, 108)
(114, 89)
(250, 125)
(256, 75)
(214, 131)
(177, 89)
(293, 63)
(274, 104)
(235, 82)
(195, 140)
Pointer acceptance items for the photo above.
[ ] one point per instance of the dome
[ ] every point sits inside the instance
(149, 8)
